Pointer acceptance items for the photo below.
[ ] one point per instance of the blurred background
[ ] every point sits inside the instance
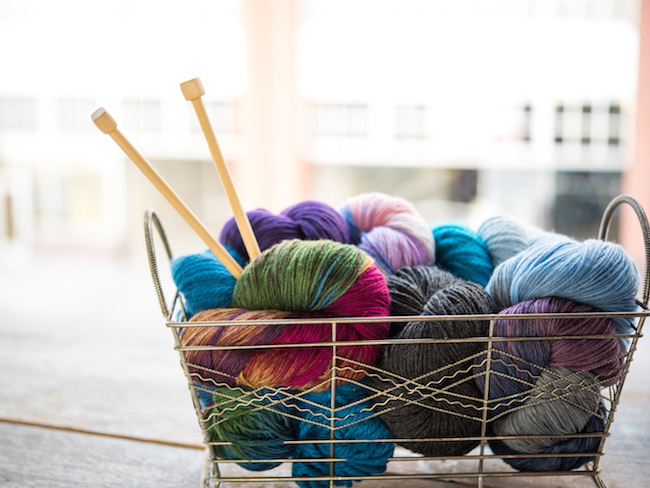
(468, 109)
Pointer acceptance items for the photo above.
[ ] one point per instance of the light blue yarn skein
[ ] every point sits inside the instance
(506, 237)
(462, 252)
(204, 281)
(593, 272)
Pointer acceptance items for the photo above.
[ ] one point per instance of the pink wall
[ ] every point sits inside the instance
(636, 181)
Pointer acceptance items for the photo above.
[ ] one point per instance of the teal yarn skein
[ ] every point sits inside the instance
(462, 252)
(257, 423)
(203, 281)
(353, 419)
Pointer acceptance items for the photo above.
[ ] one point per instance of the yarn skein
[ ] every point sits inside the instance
(354, 419)
(216, 367)
(256, 424)
(294, 280)
(596, 273)
(506, 237)
(203, 281)
(427, 390)
(308, 220)
(518, 364)
(390, 230)
(562, 403)
(595, 425)
(462, 252)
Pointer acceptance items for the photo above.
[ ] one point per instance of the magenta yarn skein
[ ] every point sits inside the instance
(294, 280)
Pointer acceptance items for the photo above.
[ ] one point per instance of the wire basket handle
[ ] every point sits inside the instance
(645, 229)
(151, 220)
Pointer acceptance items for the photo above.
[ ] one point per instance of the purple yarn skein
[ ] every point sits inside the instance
(308, 220)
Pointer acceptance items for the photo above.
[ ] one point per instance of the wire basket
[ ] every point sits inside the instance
(479, 464)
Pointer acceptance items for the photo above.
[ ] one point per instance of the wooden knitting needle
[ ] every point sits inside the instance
(193, 91)
(107, 125)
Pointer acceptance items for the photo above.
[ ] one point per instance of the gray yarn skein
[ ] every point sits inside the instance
(506, 237)
(448, 400)
(561, 403)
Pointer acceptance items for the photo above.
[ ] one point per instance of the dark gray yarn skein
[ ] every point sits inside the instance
(442, 400)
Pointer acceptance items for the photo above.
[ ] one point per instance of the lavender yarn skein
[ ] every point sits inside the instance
(308, 220)
(390, 230)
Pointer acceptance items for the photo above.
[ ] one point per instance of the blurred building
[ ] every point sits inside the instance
(468, 109)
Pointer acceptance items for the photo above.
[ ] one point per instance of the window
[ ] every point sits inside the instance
(614, 134)
(340, 120)
(142, 115)
(74, 114)
(17, 113)
(410, 122)
(580, 199)
(588, 124)
(221, 115)
(526, 123)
